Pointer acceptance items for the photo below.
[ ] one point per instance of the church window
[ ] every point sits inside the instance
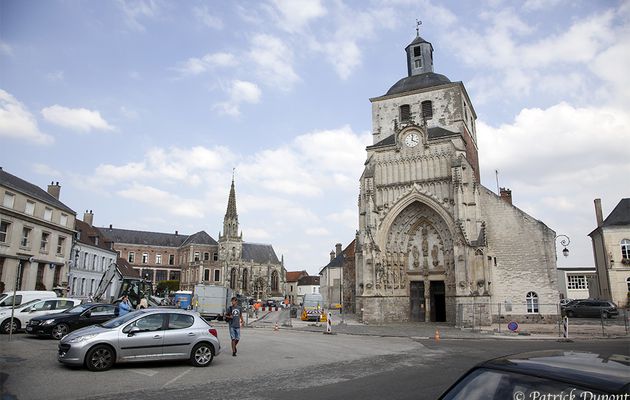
(427, 109)
(245, 278)
(417, 51)
(233, 279)
(532, 302)
(274, 281)
(625, 249)
(405, 113)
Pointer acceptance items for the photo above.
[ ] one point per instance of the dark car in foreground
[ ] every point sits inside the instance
(590, 308)
(549, 374)
(143, 335)
(59, 325)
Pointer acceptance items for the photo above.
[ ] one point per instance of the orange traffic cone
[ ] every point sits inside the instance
(437, 335)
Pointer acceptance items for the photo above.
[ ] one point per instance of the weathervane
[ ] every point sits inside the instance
(418, 23)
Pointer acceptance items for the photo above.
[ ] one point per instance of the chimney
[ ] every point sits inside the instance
(332, 255)
(506, 195)
(110, 227)
(88, 217)
(176, 233)
(337, 249)
(54, 189)
(598, 212)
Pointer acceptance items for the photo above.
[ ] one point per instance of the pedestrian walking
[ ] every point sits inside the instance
(234, 317)
(125, 306)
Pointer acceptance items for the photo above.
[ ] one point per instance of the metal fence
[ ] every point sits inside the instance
(538, 319)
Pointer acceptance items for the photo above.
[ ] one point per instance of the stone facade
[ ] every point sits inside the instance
(36, 236)
(611, 250)
(432, 240)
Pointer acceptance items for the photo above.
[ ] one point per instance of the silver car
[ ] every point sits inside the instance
(143, 335)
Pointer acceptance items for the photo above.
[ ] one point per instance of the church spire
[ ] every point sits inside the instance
(230, 221)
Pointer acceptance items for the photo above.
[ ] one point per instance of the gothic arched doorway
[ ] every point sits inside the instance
(419, 255)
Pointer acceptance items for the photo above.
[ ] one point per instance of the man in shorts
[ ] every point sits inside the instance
(234, 317)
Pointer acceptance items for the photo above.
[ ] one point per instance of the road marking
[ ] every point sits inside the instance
(177, 377)
(145, 372)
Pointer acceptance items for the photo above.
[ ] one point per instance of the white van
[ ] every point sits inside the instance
(24, 296)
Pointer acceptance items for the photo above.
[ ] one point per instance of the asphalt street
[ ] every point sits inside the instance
(284, 364)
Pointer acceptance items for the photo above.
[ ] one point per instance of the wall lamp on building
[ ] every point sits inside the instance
(564, 241)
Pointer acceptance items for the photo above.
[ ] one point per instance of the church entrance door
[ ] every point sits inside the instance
(416, 300)
(438, 301)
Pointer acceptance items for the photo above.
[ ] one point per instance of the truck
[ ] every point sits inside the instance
(211, 301)
(313, 308)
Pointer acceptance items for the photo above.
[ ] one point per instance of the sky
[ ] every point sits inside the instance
(144, 110)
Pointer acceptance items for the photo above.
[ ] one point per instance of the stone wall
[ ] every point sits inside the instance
(379, 310)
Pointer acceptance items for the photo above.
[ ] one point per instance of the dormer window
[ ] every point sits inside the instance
(405, 113)
(427, 109)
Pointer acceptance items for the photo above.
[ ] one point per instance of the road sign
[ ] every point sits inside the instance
(513, 326)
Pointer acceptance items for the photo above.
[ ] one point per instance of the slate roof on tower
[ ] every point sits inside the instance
(620, 215)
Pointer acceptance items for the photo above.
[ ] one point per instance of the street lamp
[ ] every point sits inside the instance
(564, 241)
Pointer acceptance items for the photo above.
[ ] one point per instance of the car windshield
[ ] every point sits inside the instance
(78, 309)
(312, 303)
(30, 303)
(116, 322)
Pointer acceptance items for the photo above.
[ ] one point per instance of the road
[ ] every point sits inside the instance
(284, 364)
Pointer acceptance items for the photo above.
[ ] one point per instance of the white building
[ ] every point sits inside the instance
(307, 285)
(573, 282)
(331, 278)
(36, 233)
(92, 257)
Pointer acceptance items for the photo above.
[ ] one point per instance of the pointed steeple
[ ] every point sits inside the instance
(230, 221)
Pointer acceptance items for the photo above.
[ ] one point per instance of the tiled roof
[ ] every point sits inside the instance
(34, 191)
(200, 237)
(294, 276)
(87, 235)
(143, 238)
(308, 280)
(620, 215)
(125, 269)
(259, 253)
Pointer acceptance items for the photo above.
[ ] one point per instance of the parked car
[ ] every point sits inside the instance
(24, 296)
(143, 335)
(32, 309)
(552, 373)
(590, 308)
(59, 325)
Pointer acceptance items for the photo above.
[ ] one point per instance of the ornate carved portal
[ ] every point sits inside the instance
(419, 248)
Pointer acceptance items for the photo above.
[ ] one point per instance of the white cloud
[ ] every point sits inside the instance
(347, 217)
(239, 92)
(78, 119)
(294, 15)
(5, 48)
(136, 10)
(274, 61)
(254, 234)
(16, 122)
(317, 232)
(174, 204)
(196, 66)
(205, 17)
(48, 170)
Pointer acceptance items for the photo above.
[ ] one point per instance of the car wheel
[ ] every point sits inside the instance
(570, 314)
(606, 315)
(99, 358)
(8, 327)
(60, 331)
(202, 355)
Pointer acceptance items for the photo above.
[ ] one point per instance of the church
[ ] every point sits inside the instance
(433, 243)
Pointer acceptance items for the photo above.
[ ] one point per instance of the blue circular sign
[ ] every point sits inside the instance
(513, 326)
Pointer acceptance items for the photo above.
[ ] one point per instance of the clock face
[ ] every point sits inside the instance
(412, 139)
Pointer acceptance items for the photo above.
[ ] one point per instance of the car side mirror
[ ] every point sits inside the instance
(133, 331)
(87, 314)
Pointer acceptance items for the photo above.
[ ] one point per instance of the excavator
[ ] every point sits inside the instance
(135, 288)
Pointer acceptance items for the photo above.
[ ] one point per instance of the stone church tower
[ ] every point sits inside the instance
(432, 239)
